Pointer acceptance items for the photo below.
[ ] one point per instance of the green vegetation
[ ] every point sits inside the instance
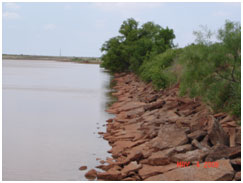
(213, 70)
(158, 69)
(128, 51)
(205, 69)
(86, 59)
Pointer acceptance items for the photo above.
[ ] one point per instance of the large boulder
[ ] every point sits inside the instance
(224, 172)
(169, 136)
(216, 134)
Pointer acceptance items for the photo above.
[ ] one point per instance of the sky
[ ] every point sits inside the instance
(80, 29)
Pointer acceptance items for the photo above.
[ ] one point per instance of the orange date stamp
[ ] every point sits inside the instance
(182, 164)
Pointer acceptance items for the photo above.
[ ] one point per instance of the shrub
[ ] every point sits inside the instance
(212, 71)
(157, 69)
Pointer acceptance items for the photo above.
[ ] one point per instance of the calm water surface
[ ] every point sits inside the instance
(52, 112)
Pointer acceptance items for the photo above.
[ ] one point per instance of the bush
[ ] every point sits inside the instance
(157, 69)
(212, 71)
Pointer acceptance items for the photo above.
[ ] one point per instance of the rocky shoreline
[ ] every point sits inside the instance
(159, 136)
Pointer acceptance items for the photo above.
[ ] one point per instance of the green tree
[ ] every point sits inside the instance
(114, 59)
(128, 51)
(129, 30)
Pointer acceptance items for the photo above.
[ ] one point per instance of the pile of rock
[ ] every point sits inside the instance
(157, 135)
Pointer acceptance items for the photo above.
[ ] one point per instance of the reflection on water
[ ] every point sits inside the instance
(39, 89)
(109, 87)
(52, 112)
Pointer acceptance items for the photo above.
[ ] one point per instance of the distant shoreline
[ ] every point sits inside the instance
(84, 60)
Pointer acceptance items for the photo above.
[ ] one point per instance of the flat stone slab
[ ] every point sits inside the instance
(224, 172)
(148, 170)
(169, 136)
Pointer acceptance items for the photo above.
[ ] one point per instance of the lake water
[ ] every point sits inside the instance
(52, 112)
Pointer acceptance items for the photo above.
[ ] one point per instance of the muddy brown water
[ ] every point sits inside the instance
(52, 112)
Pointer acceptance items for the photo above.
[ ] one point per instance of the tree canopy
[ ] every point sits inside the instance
(135, 44)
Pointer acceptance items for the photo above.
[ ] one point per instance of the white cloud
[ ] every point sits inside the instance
(11, 6)
(10, 15)
(49, 27)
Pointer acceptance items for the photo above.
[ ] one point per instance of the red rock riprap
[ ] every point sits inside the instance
(153, 130)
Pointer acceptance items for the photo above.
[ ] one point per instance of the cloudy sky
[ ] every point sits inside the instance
(79, 29)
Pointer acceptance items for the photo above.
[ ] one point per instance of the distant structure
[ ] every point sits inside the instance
(60, 54)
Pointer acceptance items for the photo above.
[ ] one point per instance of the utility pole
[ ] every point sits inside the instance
(60, 52)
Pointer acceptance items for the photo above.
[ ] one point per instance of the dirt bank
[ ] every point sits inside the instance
(161, 136)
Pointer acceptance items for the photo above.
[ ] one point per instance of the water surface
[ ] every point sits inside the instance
(52, 112)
